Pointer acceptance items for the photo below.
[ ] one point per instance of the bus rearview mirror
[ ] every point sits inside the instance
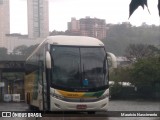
(112, 59)
(48, 60)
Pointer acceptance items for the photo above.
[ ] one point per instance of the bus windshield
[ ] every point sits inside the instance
(79, 68)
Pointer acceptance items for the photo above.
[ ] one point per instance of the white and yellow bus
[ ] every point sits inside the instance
(68, 73)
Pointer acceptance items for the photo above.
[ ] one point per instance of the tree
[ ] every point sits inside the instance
(120, 74)
(20, 50)
(146, 71)
(3, 53)
(30, 49)
(139, 51)
(119, 36)
(24, 50)
(136, 3)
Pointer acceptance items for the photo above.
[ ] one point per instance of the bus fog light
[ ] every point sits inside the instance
(57, 105)
(57, 96)
(104, 105)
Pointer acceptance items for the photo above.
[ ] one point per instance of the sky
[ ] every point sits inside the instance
(61, 12)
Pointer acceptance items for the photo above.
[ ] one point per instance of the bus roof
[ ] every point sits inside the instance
(74, 41)
(69, 41)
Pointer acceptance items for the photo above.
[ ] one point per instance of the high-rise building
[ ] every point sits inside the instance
(4, 21)
(73, 25)
(38, 18)
(92, 27)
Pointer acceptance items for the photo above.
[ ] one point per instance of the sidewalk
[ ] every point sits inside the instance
(13, 106)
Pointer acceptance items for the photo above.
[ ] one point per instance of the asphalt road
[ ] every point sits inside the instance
(117, 105)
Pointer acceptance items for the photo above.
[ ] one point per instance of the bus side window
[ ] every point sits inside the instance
(40, 64)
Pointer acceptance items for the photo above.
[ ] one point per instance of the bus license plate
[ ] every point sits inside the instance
(81, 106)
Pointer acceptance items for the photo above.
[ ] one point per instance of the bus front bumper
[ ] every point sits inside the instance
(60, 105)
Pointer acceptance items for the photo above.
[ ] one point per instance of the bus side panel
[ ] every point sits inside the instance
(31, 88)
(34, 77)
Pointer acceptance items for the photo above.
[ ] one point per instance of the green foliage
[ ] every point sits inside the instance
(30, 49)
(20, 53)
(120, 36)
(3, 52)
(146, 71)
(144, 74)
(115, 90)
(24, 50)
(20, 50)
(121, 74)
(139, 51)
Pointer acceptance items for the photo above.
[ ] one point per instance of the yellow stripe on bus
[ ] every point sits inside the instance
(71, 94)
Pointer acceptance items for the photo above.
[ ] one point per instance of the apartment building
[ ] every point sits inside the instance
(92, 27)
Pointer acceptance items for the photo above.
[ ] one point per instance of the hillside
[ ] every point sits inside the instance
(119, 36)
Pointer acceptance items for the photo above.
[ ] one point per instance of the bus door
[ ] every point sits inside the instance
(42, 88)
